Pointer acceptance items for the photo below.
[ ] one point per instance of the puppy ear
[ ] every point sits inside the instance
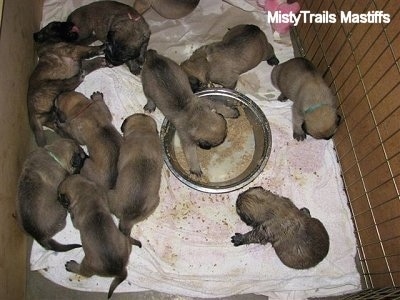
(64, 200)
(123, 126)
(338, 119)
(60, 116)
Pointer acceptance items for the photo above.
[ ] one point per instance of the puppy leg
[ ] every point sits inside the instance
(256, 236)
(228, 111)
(298, 120)
(90, 65)
(150, 106)
(81, 269)
(82, 52)
(190, 151)
(134, 66)
(282, 98)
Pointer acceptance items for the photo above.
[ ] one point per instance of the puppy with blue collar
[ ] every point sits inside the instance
(314, 110)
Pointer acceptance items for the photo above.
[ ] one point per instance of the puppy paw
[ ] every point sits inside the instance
(299, 136)
(196, 172)
(282, 98)
(82, 75)
(273, 61)
(149, 107)
(237, 239)
(71, 266)
(97, 96)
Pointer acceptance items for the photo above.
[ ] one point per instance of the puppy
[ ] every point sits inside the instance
(300, 241)
(169, 9)
(135, 196)
(123, 30)
(89, 122)
(106, 249)
(38, 211)
(61, 67)
(242, 48)
(314, 108)
(196, 120)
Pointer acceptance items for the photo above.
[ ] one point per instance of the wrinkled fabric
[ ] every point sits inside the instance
(186, 242)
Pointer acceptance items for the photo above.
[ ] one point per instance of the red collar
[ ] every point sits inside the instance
(81, 110)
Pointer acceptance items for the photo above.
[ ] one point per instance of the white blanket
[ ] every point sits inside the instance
(186, 242)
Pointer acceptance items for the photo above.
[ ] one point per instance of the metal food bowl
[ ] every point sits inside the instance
(233, 164)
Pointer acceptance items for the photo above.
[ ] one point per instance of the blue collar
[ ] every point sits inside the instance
(314, 107)
(57, 160)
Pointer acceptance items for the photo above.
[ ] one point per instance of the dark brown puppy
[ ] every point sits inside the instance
(300, 241)
(197, 121)
(123, 30)
(38, 211)
(61, 67)
(107, 249)
(170, 9)
(314, 110)
(89, 122)
(135, 196)
(242, 48)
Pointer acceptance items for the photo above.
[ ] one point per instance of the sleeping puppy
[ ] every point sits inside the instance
(314, 106)
(61, 67)
(300, 241)
(89, 122)
(196, 120)
(106, 249)
(242, 48)
(38, 211)
(135, 196)
(123, 30)
(169, 9)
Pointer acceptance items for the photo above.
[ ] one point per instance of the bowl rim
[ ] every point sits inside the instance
(166, 126)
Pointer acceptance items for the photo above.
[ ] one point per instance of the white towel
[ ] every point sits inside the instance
(186, 242)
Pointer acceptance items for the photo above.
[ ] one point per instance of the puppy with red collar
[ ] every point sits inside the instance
(120, 27)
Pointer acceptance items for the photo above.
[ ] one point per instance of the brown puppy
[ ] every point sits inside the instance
(170, 9)
(300, 241)
(314, 110)
(61, 67)
(135, 196)
(196, 120)
(242, 48)
(106, 249)
(89, 122)
(38, 211)
(123, 30)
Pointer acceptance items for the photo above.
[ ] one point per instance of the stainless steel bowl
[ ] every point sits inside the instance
(260, 148)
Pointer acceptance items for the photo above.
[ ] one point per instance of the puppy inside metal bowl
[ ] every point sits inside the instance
(234, 163)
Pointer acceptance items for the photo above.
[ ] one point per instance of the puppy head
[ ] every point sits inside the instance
(207, 127)
(249, 206)
(138, 122)
(322, 122)
(68, 153)
(57, 32)
(67, 191)
(196, 70)
(127, 40)
(68, 104)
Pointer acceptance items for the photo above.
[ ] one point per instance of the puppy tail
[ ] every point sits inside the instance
(117, 280)
(56, 246)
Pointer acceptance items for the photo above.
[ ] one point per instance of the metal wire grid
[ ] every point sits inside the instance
(375, 294)
(310, 31)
